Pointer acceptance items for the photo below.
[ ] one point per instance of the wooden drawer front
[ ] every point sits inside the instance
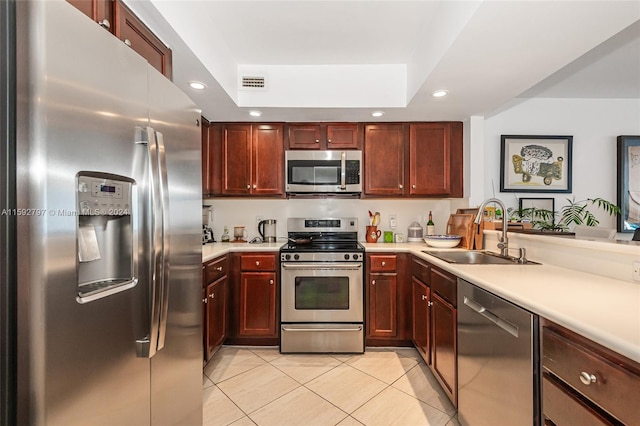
(258, 262)
(421, 270)
(563, 407)
(445, 285)
(215, 269)
(614, 387)
(379, 263)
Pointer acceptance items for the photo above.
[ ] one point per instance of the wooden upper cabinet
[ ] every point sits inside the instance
(430, 159)
(384, 159)
(267, 160)
(323, 136)
(236, 159)
(101, 11)
(135, 34)
(252, 159)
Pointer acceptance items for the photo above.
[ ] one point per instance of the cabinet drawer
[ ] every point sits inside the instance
(258, 262)
(378, 263)
(573, 362)
(421, 270)
(563, 407)
(445, 285)
(214, 269)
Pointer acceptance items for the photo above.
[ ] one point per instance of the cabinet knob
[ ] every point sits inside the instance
(213, 296)
(257, 263)
(248, 186)
(271, 282)
(413, 186)
(105, 23)
(127, 42)
(204, 300)
(317, 140)
(401, 186)
(373, 282)
(329, 140)
(424, 297)
(429, 303)
(384, 263)
(255, 186)
(587, 378)
(219, 269)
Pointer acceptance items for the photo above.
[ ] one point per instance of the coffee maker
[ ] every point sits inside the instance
(207, 225)
(267, 230)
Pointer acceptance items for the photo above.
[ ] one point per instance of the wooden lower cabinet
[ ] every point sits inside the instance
(214, 305)
(585, 383)
(444, 345)
(254, 299)
(421, 296)
(388, 300)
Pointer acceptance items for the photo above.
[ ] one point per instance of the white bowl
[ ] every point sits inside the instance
(443, 241)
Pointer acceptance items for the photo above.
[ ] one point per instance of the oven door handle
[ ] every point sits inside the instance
(322, 266)
(358, 328)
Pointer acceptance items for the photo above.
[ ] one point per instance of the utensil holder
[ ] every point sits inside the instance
(373, 233)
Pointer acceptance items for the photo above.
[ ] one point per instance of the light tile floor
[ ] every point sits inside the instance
(384, 386)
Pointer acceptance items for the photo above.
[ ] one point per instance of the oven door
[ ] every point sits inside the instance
(322, 292)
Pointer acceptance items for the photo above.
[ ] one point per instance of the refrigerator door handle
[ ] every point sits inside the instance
(164, 233)
(148, 346)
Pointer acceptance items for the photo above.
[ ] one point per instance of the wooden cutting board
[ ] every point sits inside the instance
(462, 224)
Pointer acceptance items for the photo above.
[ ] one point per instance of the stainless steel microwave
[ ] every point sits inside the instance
(335, 172)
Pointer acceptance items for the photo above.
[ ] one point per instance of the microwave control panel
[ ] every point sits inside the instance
(352, 172)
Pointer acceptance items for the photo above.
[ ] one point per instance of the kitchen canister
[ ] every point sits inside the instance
(415, 233)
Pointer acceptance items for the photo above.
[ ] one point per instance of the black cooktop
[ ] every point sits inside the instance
(333, 246)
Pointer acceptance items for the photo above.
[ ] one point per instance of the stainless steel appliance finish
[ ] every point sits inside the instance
(92, 111)
(498, 365)
(322, 287)
(335, 172)
(267, 230)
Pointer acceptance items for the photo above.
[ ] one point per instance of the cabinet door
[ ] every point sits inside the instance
(429, 159)
(421, 300)
(101, 11)
(236, 159)
(206, 154)
(257, 304)
(216, 321)
(384, 159)
(304, 136)
(342, 136)
(383, 290)
(444, 345)
(267, 160)
(135, 34)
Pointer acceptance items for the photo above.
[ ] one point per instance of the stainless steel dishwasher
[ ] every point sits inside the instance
(498, 362)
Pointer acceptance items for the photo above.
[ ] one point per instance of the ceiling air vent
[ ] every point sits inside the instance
(253, 82)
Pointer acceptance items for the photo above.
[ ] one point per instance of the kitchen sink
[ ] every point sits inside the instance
(474, 257)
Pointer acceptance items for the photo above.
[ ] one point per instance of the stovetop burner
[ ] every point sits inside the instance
(334, 235)
(335, 246)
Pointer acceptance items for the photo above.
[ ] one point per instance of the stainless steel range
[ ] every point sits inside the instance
(322, 294)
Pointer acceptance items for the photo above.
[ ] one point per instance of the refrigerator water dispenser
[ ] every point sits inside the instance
(105, 245)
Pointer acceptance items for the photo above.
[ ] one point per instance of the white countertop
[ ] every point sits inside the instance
(605, 310)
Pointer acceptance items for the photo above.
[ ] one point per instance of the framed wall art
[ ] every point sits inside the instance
(535, 163)
(629, 183)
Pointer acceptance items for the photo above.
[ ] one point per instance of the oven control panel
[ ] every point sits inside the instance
(322, 257)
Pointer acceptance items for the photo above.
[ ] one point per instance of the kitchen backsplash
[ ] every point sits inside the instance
(244, 212)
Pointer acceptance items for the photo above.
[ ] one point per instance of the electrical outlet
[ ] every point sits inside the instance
(258, 220)
(393, 221)
(636, 270)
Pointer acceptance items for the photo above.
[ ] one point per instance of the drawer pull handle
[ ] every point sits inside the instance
(384, 263)
(219, 269)
(587, 378)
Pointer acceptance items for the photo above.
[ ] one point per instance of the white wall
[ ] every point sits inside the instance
(243, 212)
(594, 124)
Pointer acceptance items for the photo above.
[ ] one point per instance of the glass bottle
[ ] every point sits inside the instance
(431, 228)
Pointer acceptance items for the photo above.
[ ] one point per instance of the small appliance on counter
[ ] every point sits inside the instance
(207, 235)
(415, 233)
(267, 230)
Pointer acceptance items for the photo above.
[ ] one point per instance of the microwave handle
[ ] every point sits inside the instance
(343, 171)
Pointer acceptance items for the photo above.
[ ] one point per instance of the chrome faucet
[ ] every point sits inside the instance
(503, 242)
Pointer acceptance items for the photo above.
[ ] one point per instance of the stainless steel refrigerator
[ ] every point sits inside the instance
(101, 229)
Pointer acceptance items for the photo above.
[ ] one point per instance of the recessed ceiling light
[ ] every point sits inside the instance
(255, 113)
(439, 93)
(377, 113)
(197, 85)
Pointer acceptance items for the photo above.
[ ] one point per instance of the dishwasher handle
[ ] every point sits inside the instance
(500, 322)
